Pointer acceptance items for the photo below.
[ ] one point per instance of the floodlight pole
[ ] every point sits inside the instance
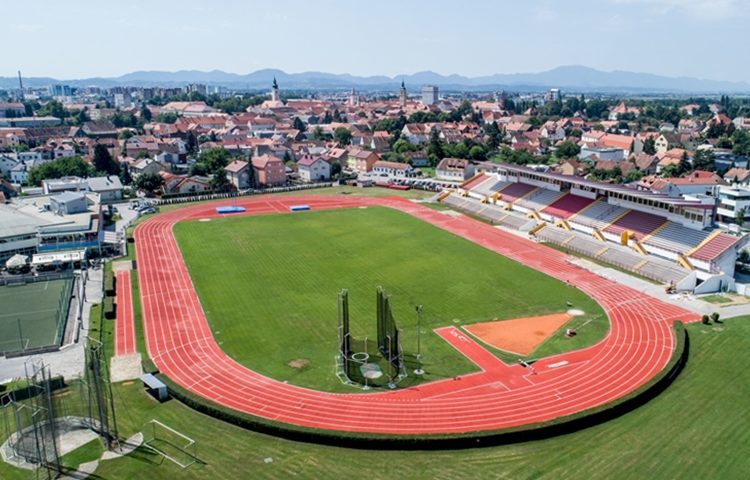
(418, 370)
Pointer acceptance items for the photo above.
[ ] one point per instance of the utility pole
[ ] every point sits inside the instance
(418, 370)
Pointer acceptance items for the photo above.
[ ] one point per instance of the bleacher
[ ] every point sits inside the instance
(622, 257)
(495, 214)
(677, 238)
(599, 215)
(489, 187)
(514, 191)
(474, 182)
(640, 223)
(714, 247)
(567, 205)
(538, 199)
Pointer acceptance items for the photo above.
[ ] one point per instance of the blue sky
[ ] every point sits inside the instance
(83, 38)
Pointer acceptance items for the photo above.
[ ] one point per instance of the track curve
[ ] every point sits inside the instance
(179, 341)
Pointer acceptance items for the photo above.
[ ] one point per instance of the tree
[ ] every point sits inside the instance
(220, 182)
(477, 152)
(299, 124)
(192, 143)
(53, 108)
(703, 159)
(103, 161)
(684, 166)
(62, 167)
(145, 113)
(81, 117)
(166, 117)
(149, 182)
(335, 169)
(649, 146)
(739, 216)
(633, 175)
(317, 133)
(567, 149)
(434, 145)
(125, 177)
(342, 135)
(214, 159)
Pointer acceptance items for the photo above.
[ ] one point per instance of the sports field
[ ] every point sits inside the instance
(268, 285)
(36, 307)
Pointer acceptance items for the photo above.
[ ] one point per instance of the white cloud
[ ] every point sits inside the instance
(701, 9)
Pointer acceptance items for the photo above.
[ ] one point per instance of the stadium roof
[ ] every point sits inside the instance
(606, 187)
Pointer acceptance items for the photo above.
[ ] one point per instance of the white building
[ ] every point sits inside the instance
(395, 169)
(454, 170)
(313, 169)
(429, 95)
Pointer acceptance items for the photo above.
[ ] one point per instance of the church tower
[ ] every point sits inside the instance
(402, 96)
(353, 98)
(275, 91)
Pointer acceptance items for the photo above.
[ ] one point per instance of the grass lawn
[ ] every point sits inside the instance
(697, 429)
(36, 305)
(269, 283)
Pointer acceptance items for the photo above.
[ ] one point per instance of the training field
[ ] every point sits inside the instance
(268, 285)
(37, 306)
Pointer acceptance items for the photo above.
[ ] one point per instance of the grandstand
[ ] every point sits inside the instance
(670, 236)
(640, 223)
(565, 206)
(538, 199)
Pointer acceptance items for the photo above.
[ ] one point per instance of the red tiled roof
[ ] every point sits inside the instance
(715, 247)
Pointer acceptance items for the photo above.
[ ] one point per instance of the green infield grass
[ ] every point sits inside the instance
(268, 285)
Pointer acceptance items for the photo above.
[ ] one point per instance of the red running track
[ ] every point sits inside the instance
(124, 321)
(638, 345)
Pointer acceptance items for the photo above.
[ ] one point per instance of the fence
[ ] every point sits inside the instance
(35, 278)
(216, 196)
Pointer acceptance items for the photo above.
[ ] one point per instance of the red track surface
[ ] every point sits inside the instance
(638, 345)
(124, 322)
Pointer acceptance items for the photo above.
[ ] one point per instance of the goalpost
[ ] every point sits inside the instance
(170, 444)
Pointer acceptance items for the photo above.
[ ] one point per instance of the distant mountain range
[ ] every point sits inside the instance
(572, 78)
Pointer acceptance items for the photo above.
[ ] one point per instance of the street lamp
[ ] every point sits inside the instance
(418, 370)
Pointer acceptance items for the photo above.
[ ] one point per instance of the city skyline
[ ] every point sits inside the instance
(692, 38)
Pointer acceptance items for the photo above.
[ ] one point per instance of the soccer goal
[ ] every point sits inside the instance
(169, 443)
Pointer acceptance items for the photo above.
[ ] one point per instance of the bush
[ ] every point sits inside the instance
(109, 283)
(704, 320)
(715, 317)
(109, 308)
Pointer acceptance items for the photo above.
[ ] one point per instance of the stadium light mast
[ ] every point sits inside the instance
(418, 370)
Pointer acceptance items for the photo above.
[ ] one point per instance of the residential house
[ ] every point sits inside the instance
(415, 133)
(737, 176)
(395, 169)
(313, 169)
(269, 170)
(238, 174)
(147, 165)
(621, 110)
(454, 169)
(360, 160)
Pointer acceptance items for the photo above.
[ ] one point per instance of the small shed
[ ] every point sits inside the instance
(155, 387)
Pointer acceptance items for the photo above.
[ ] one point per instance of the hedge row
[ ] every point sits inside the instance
(109, 308)
(559, 426)
(109, 282)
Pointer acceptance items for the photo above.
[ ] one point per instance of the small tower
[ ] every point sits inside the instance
(275, 91)
(353, 98)
(402, 96)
